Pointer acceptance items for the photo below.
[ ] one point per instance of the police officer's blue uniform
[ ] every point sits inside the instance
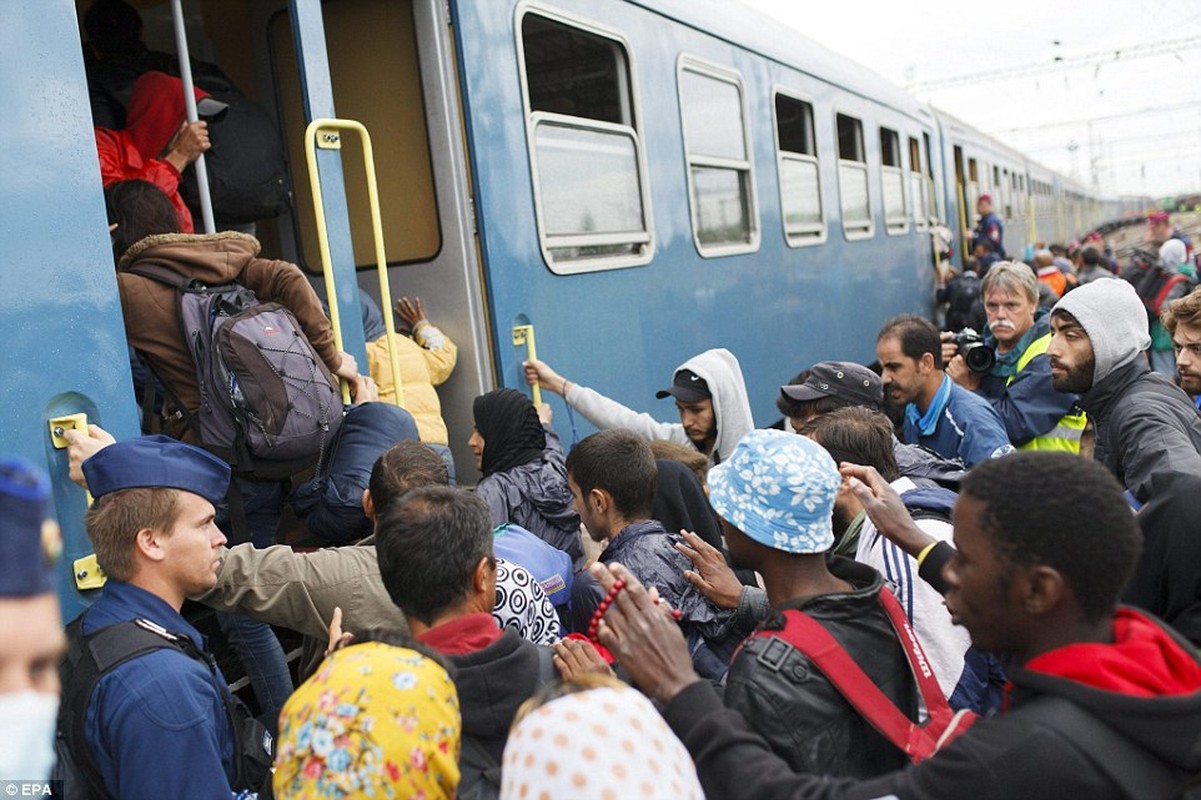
(157, 725)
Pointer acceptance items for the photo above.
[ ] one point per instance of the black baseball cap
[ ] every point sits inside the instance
(687, 387)
(842, 379)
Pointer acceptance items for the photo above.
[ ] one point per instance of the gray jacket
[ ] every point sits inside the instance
(731, 407)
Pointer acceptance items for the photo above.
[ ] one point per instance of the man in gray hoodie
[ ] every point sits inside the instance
(1147, 433)
(710, 395)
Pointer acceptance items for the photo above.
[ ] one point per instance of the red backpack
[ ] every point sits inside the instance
(919, 741)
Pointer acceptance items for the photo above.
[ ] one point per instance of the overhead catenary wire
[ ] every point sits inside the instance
(1147, 50)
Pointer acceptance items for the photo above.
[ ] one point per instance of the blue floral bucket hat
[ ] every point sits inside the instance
(778, 488)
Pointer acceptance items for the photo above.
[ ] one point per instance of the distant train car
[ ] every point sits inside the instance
(639, 181)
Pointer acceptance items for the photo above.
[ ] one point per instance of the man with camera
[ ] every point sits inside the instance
(1016, 379)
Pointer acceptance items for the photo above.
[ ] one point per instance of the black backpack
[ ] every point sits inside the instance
(1151, 281)
(91, 657)
(247, 170)
(963, 295)
(268, 404)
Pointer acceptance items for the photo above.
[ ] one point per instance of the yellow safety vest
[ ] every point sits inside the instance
(1065, 436)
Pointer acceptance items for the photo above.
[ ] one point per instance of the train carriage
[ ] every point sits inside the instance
(639, 181)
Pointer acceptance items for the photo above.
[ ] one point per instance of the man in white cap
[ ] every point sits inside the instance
(31, 631)
(1147, 433)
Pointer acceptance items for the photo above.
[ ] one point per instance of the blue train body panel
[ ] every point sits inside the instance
(623, 331)
(64, 350)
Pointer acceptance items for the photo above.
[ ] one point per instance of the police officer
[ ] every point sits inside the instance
(1018, 387)
(31, 631)
(162, 723)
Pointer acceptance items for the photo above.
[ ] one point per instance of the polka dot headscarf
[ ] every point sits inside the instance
(601, 744)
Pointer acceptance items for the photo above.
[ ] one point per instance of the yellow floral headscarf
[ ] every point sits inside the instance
(374, 721)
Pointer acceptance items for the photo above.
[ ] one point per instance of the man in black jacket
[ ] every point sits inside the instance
(435, 556)
(1147, 433)
(784, 697)
(1105, 700)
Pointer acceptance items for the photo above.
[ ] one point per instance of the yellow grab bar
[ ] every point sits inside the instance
(323, 133)
(524, 334)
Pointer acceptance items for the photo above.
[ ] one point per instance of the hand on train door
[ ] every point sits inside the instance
(81, 447)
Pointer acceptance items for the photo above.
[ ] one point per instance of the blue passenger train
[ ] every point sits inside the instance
(639, 181)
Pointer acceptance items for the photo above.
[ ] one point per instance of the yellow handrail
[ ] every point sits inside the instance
(320, 134)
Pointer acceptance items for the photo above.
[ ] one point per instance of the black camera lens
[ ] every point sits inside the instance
(979, 358)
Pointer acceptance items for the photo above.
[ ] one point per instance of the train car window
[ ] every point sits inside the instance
(854, 195)
(725, 219)
(919, 187)
(973, 189)
(1007, 187)
(586, 154)
(896, 219)
(800, 179)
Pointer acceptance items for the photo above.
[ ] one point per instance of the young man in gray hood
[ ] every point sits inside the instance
(710, 395)
(1148, 434)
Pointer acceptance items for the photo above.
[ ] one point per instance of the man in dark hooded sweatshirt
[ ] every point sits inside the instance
(525, 479)
(1147, 433)
(612, 475)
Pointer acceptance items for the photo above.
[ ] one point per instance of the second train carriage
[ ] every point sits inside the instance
(638, 180)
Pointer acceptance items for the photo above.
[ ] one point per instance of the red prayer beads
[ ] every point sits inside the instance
(598, 615)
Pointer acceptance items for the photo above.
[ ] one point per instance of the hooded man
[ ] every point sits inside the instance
(157, 143)
(710, 395)
(1147, 433)
(31, 631)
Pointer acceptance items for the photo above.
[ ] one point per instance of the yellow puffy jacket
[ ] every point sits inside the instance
(426, 361)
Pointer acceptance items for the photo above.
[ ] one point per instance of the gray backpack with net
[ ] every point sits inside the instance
(268, 404)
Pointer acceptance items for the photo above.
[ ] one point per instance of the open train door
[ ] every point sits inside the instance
(389, 65)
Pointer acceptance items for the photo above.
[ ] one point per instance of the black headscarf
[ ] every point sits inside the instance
(512, 432)
(680, 503)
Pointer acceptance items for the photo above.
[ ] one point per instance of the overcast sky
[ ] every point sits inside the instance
(1145, 136)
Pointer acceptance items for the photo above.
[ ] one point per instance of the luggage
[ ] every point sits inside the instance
(268, 404)
(918, 741)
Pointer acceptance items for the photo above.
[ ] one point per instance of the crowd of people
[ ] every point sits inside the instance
(936, 574)
(971, 567)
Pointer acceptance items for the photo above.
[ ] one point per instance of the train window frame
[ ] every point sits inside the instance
(805, 234)
(859, 168)
(554, 245)
(918, 186)
(688, 62)
(895, 223)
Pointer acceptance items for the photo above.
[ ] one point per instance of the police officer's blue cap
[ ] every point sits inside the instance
(157, 462)
(29, 539)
